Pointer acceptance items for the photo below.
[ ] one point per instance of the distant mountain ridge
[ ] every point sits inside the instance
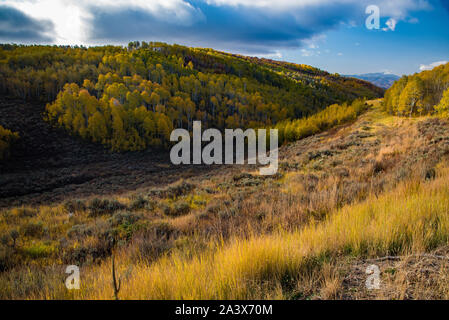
(382, 80)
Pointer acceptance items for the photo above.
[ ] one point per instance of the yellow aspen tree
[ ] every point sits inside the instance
(443, 107)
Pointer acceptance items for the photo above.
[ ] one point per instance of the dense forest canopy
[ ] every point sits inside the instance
(420, 94)
(131, 98)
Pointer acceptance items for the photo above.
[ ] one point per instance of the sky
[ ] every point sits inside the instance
(333, 35)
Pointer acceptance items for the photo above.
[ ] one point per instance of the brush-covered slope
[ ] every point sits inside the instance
(371, 188)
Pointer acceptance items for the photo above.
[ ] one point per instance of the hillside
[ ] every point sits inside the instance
(344, 199)
(86, 179)
(130, 99)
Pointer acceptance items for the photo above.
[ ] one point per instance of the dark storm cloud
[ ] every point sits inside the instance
(15, 26)
(223, 27)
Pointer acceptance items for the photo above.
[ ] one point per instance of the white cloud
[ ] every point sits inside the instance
(72, 17)
(307, 53)
(312, 45)
(395, 8)
(275, 55)
(315, 41)
(66, 16)
(424, 67)
(276, 5)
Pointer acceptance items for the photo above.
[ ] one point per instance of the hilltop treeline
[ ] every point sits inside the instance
(420, 94)
(131, 98)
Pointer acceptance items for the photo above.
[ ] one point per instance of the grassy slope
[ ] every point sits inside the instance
(411, 219)
(376, 187)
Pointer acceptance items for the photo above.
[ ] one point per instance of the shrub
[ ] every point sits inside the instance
(80, 230)
(176, 190)
(99, 207)
(34, 230)
(123, 218)
(14, 234)
(430, 174)
(181, 208)
(5, 239)
(242, 176)
(151, 243)
(74, 206)
(10, 239)
(177, 209)
(141, 203)
(39, 251)
(6, 257)
(93, 250)
(23, 212)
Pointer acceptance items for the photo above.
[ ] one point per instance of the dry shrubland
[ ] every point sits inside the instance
(375, 187)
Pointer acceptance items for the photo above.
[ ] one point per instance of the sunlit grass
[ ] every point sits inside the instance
(412, 218)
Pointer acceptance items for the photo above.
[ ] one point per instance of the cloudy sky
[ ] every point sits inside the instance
(330, 34)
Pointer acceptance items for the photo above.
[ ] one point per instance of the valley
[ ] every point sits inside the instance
(378, 161)
(86, 179)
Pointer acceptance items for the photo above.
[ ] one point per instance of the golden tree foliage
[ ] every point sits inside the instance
(131, 98)
(443, 107)
(7, 138)
(418, 94)
(331, 116)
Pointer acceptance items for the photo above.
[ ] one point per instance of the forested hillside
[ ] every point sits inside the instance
(131, 98)
(420, 94)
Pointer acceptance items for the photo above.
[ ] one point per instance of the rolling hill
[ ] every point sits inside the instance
(131, 98)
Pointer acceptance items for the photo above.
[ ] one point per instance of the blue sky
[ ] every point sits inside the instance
(329, 34)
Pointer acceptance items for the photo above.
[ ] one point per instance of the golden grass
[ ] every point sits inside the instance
(412, 218)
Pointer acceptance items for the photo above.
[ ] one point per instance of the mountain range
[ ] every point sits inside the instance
(383, 80)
